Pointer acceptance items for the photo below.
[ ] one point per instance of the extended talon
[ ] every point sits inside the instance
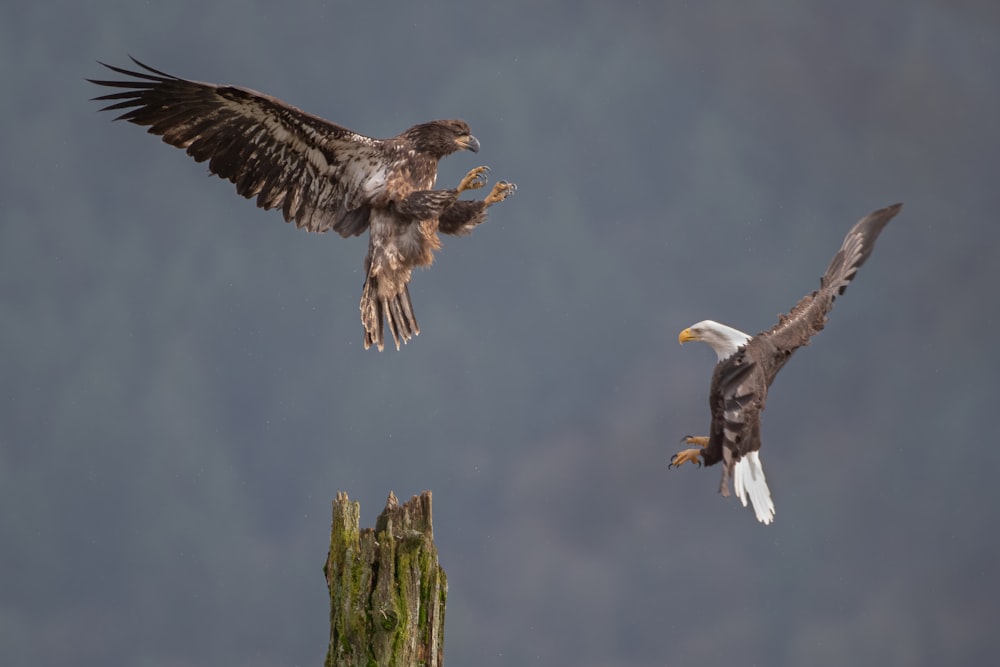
(500, 191)
(685, 456)
(475, 179)
(689, 455)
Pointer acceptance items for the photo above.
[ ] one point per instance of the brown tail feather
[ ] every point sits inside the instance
(395, 311)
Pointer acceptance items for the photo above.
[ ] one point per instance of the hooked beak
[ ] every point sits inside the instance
(469, 143)
(686, 336)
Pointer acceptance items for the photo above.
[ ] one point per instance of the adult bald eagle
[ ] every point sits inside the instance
(322, 176)
(748, 365)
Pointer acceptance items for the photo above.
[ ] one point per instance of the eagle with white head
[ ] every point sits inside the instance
(747, 365)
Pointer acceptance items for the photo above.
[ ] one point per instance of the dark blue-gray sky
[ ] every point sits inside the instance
(185, 390)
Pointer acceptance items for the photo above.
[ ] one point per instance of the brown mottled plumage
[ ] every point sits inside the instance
(322, 176)
(748, 365)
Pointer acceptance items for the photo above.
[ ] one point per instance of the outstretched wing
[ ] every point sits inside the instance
(808, 317)
(320, 175)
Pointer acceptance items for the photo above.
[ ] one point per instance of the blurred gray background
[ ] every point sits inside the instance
(185, 390)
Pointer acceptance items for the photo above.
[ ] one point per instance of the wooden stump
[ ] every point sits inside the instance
(387, 591)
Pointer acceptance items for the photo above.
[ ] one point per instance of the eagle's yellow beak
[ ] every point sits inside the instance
(469, 143)
(686, 336)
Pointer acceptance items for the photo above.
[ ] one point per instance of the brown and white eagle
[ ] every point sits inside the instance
(322, 176)
(748, 365)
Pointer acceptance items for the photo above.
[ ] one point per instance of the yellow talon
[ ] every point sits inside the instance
(685, 456)
(475, 179)
(501, 191)
(700, 440)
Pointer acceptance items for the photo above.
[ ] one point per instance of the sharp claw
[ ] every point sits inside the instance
(475, 179)
(685, 456)
(500, 192)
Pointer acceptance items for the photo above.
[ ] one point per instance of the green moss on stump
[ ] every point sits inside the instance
(387, 590)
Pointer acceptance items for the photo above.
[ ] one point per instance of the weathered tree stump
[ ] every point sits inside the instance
(387, 591)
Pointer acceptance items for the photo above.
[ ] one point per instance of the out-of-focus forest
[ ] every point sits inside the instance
(184, 388)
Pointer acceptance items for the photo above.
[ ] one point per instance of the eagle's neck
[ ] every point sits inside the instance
(724, 340)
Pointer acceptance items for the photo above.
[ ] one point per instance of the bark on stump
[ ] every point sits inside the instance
(387, 591)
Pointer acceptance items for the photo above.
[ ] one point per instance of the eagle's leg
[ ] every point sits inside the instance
(475, 179)
(463, 215)
(500, 191)
(689, 455)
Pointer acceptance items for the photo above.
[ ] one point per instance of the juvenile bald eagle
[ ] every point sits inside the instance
(748, 365)
(322, 176)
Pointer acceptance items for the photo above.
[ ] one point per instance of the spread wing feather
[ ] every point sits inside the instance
(321, 175)
(808, 317)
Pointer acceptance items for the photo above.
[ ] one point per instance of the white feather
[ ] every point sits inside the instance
(748, 480)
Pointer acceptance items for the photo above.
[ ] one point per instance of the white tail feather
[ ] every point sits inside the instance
(748, 480)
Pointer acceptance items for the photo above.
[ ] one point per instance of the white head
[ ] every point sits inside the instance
(724, 340)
